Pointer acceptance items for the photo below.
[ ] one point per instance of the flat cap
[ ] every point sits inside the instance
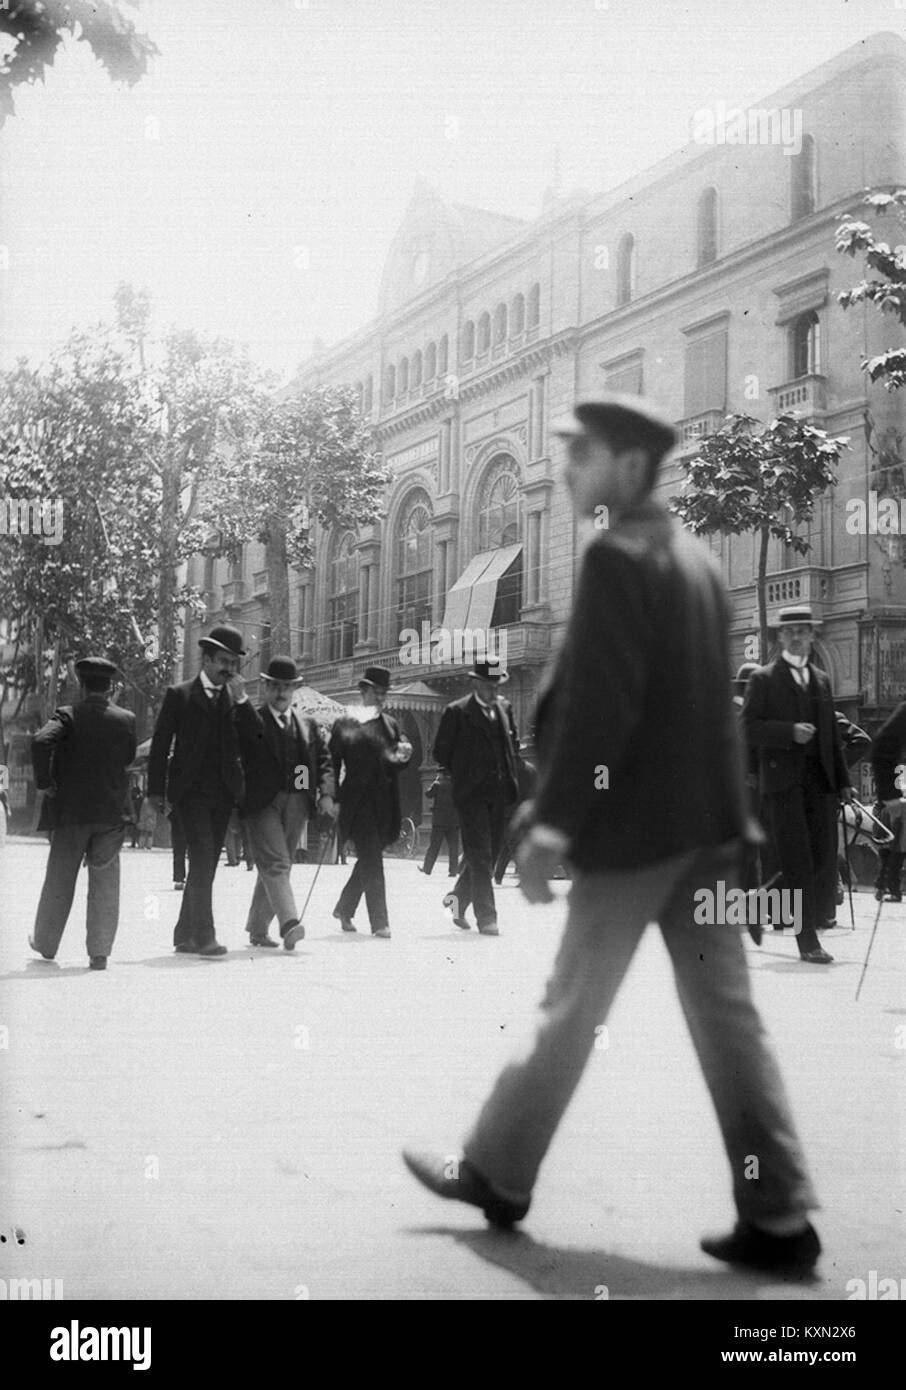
(624, 422)
(96, 666)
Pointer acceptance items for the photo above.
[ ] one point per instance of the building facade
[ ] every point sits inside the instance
(709, 283)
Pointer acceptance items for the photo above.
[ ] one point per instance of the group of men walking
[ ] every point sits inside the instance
(640, 691)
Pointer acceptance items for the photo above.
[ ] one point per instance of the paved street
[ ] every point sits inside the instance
(180, 1128)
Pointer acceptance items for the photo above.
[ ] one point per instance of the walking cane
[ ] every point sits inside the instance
(868, 952)
(849, 870)
(327, 844)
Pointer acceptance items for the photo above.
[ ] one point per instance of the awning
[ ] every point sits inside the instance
(470, 601)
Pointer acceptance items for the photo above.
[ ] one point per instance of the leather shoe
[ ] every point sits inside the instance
(264, 940)
(213, 948)
(489, 929)
(819, 957)
(185, 948)
(748, 1245)
(179, 884)
(456, 1179)
(97, 962)
(42, 954)
(345, 922)
(383, 932)
(291, 932)
(452, 902)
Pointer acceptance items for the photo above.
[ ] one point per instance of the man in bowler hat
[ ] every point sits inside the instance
(369, 751)
(203, 780)
(641, 688)
(80, 758)
(789, 720)
(288, 777)
(476, 742)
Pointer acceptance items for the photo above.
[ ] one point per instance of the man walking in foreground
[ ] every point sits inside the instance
(641, 689)
(80, 758)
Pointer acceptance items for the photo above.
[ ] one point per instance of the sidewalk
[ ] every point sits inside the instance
(181, 1128)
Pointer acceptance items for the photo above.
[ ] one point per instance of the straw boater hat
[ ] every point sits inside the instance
(798, 613)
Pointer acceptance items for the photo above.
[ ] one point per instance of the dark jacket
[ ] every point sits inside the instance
(773, 704)
(369, 784)
(638, 754)
(887, 754)
(443, 808)
(262, 758)
(465, 747)
(83, 751)
(189, 717)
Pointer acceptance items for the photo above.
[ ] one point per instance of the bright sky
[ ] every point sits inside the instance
(254, 179)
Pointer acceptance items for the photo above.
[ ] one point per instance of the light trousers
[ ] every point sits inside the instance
(275, 834)
(608, 913)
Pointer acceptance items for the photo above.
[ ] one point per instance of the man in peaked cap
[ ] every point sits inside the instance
(789, 720)
(639, 788)
(288, 777)
(369, 752)
(477, 744)
(203, 780)
(80, 758)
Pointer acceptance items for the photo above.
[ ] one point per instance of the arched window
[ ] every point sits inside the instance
(390, 383)
(443, 353)
(625, 268)
(368, 403)
(414, 563)
(499, 325)
(484, 333)
(806, 344)
(468, 341)
(430, 362)
(517, 315)
(499, 525)
(706, 228)
(402, 376)
(804, 179)
(343, 600)
(533, 313)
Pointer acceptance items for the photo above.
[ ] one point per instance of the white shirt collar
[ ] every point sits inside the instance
(799, 662)
(483, 703)
(208, 684)
(278, 717)
(363, 714)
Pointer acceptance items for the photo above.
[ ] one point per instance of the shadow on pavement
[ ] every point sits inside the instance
(561, 1272)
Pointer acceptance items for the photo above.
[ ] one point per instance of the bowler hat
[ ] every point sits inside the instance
(798, 613)
(225, 638)
(284, 669)
(378, 676)
(96, 666)
(624, 422)
(487, 671)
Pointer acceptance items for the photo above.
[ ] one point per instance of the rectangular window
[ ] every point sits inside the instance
(706, 374)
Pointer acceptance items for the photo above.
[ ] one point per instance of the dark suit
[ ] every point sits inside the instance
(369, 807)
(203, 781)
(641, 687)
(887, 755)
(480, 754)
(83, 753)
(799, 781)
(285, 771)
(444, 824)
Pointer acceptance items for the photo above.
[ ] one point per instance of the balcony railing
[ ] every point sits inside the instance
(810, 586)
(697, 427)
(806, 395)
(525, 643)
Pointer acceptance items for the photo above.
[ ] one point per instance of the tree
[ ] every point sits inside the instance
(77, 565)
(887, 289)
(307, 457)
(766, 482)
(37, 28)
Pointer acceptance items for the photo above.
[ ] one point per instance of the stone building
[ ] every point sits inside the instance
(709, 284)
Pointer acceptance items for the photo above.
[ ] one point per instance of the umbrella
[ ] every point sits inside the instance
(317, 706)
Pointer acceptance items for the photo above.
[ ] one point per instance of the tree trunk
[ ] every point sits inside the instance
(166, 589)
(762, 593)
(278, 589)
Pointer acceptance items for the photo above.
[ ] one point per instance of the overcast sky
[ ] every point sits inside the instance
(254, 179)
